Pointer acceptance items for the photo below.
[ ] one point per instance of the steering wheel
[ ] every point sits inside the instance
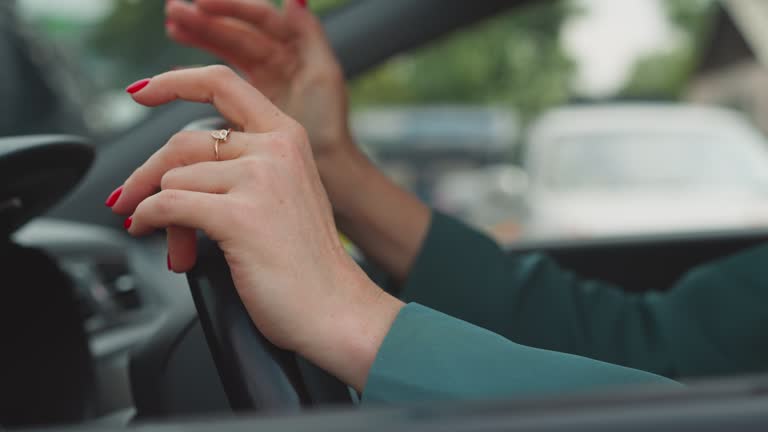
(36, 171)
(256, 375)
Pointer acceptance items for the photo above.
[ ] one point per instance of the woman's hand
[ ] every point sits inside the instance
(285, 54)
(265, 206)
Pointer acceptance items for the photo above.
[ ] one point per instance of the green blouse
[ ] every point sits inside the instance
(495, 325)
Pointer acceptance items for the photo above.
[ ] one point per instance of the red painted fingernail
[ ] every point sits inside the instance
(113, 197)
(303, 3)
(168, 256)
(138, 85)
(128, 222)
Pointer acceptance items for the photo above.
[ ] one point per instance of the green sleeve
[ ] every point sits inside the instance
(714, 321)
(430, 356)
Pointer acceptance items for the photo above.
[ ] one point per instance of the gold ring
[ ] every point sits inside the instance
(220, 137)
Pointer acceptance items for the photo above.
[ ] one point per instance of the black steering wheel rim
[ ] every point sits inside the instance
(255, 374)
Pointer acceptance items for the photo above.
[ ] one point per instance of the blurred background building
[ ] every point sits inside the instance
(731, 70)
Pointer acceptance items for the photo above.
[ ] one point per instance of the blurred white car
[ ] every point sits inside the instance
(625, 169)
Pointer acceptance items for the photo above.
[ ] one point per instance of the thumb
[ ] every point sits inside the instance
(293, 6)
(307, 27)
(298, 14)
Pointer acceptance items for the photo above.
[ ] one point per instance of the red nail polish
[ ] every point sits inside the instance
(128, 222)
(138, 85)
(168, 256)
(303, 3)
(113, 197)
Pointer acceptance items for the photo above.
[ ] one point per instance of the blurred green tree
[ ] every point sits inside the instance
(514, 60)
(665, 75)
(133, 38)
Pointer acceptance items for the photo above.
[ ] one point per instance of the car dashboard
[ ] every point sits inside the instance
(124, 291)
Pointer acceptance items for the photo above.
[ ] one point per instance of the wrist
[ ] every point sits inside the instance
(345, 174)
(361, 347)
(346, 341)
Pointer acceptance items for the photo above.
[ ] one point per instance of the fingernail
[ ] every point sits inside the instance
(113, 197)
(128, 222)
(303, 3)
(168, 256)
(138, 85)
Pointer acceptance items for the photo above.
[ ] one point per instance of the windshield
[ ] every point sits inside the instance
(441, 118)
(620, 161)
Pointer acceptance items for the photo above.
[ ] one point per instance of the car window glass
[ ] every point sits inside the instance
(508, 123)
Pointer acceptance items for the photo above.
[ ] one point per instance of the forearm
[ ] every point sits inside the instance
(711, 322)
(386, 222)
(428, 356)
(529, 299)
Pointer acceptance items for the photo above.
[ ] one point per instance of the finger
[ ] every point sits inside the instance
(183, 149)
(310, 32)
(235, 99)
(179, 208)
(208, 177)
(233, 40)
(183, 36)
(259, 13)
(182, 248)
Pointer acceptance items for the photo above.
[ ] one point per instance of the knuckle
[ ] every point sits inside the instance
(292, 146)
(253, 168)
(170, 196)
(169, 179)
(144, 208)
(166, 201)
(282, 151)
(296, 132)
(220, 73)
(178, 140)
(137, 173)
(279, 142)
(291, 143)
(178, 150)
